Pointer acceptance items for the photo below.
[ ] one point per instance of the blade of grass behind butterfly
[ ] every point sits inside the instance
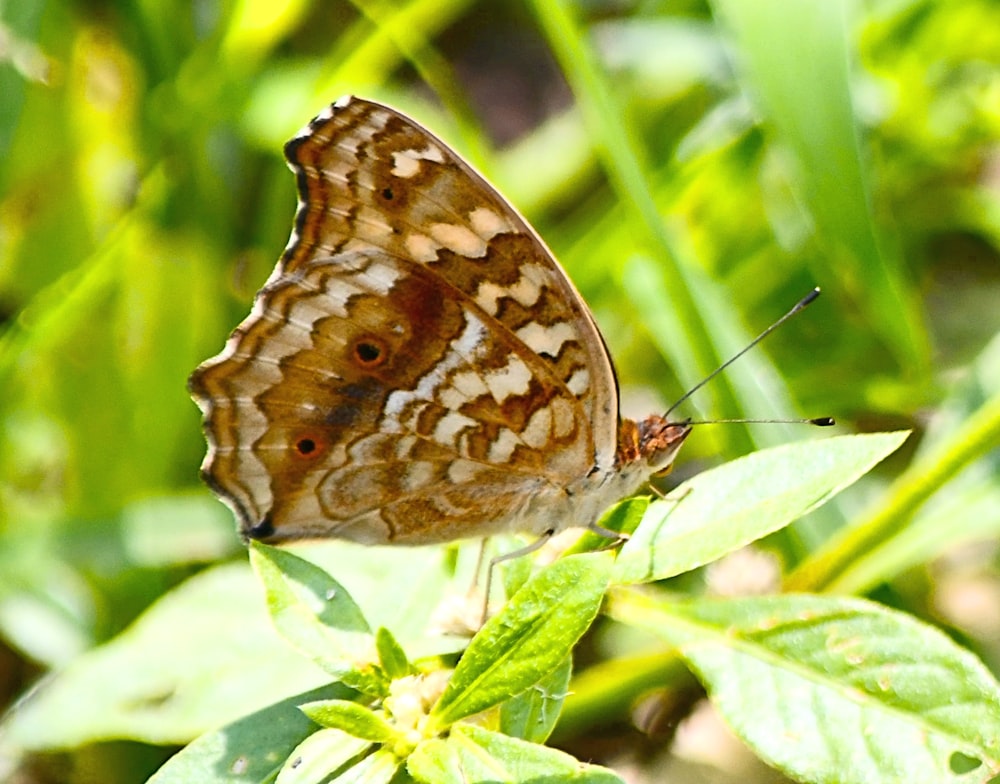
(757, 384)
(691, 350)
(360, 60)
(411, 30)
(811, 108)
(372, 58)
(255, 28)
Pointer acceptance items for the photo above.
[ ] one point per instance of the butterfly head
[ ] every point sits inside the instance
(654, 442)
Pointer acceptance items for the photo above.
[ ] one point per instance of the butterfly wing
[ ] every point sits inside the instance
(418, 367)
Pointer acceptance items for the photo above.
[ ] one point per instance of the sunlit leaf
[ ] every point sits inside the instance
(528, 639)
(472, 754)
(726, 508)
(831, 689)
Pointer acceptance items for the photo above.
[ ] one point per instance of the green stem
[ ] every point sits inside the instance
(829, 569)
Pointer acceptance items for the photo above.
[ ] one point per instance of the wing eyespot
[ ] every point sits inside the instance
(369, 352)
(308, 446)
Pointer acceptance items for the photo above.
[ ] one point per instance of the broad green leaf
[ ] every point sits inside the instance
(532, 715)
(833, 689)
(203, 655)
(528, 639)
(472, 754)
(724, 509)
(250, 750)
(352, 718)
(400, 588)
(319, 755)
(313, 611)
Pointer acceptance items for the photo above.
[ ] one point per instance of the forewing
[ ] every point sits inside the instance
(369, 177)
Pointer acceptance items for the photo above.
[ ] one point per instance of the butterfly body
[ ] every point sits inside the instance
(418, 368)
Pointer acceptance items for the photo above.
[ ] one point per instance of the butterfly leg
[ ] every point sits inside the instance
(616, 537)
(498, 559)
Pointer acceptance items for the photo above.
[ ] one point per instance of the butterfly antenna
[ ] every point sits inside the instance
(818, 421)
(800, 305)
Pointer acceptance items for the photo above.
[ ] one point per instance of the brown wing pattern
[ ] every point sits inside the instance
(418, 368)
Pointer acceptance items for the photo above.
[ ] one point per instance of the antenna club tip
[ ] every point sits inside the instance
(823, 421)
(810, 297)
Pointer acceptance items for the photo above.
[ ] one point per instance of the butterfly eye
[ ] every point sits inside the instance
(369, 352)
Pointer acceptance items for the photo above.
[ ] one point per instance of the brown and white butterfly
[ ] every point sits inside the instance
(418, 367)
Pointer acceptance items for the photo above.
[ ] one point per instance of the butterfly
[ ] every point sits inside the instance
(418, 368)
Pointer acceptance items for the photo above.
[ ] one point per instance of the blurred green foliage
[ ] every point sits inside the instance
(697, 167)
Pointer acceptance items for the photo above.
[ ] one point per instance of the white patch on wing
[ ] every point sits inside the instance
(404, 446)
(579, 382)
(546, 340)
(406, 163)
(421, 247)
(525, 291)
(563, 417)
(537, 433)
(503, 446)
(512, 379)
(380, 277)
(528, 288)
(370, 225)
(449, 426)
(487, 224)
(459, 239)
(469, 383)
(449, 397)
(488, 294)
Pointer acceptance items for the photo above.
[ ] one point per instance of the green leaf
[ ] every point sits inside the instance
(247, 751)
(391, 655)
(400, 588)
(313, 611)
(472, 754)
(832, 689)
(201, 656)
(528, 639)
(322, 753)
(724, 509)
(352, 718)
(532, 715)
